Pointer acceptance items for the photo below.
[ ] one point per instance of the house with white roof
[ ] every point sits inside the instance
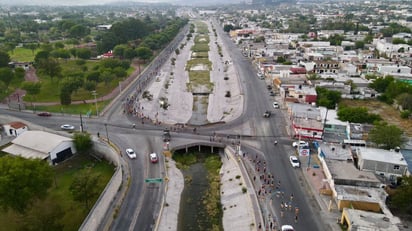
(42, 145)
(386, 163)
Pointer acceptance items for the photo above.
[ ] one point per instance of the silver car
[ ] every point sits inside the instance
(131, 153)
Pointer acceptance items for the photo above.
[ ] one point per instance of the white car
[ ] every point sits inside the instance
(67, 127)
(294, 161)
(275, 105)
(153, 158)
(287, 228)
(300, 143)
(131, 153)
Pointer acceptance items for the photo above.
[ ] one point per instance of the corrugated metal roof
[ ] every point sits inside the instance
(39, 141)
(25, 152)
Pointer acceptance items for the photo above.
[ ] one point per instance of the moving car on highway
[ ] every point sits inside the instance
(131, 153)
(67, 127)
(46, 114)
(153, 157)
(294, 161)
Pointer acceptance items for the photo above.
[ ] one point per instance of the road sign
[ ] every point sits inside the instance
(304, 152)
(153, 180)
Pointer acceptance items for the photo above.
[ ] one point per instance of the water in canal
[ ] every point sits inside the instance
(194, 211)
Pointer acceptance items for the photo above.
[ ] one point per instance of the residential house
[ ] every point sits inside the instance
(15, 128)
(301, 94)
(334, 130)
(326, 66)
(305, 121)
(389, 164)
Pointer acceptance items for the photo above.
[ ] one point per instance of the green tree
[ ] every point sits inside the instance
(143, 53)
(129, 53)
(402, 198)
(83, 187)
(359, 44)
(83, 142)
(119, 50)
(6, 75)
(23, 181)
(380, 84)
(65, 96)
(327, 98)
(32, 46)
(228, 27)
(4, 59)
(357, 115)
(32, 88)
(83, 53)
(43, 216)
(405, 100)
(19, 73)
(386, 136)
(51, 67)
(78, 31)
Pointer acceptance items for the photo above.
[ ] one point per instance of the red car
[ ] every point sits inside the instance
(44, 114)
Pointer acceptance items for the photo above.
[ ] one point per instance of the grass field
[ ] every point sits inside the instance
(59, 193)
(20, 54)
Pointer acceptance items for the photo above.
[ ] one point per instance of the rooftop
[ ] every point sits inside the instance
(39, 140)
(381, 155)
(364, 220)
(364, 194)
(342, 170)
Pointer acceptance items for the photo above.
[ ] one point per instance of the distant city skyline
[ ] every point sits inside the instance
(75, 2)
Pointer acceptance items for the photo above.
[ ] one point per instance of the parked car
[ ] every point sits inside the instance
(294, 161)
(271, 93)
(260, 75)
(300, 143)
(131, 153)
(275, 105)
(267, 114)
(287, 228)
(153, 157)
(47, 114)
(67, 127)
(269, 87)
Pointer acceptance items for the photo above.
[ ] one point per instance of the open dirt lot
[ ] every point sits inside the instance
(390, 114)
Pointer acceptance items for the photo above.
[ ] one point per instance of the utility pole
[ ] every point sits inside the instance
(107, 134)
(81, 123)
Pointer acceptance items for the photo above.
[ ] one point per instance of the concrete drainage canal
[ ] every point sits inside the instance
(200, 207)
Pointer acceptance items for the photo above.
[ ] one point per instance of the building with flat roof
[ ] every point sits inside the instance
(387, 163)
(362, 220)
(306, 121)
(362, 198)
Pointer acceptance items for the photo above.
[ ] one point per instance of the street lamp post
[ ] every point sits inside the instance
(107, 134)
(94, 93)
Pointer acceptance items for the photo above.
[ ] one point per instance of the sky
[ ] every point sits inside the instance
(70, 2)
